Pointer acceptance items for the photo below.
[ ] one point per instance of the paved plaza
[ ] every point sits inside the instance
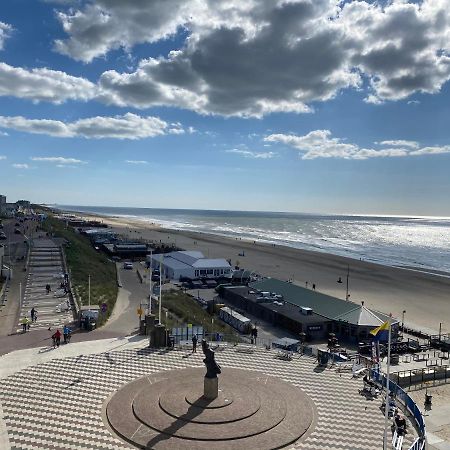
(60, 403)
(45, 267)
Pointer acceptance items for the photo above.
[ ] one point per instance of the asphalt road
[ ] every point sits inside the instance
(124, 319)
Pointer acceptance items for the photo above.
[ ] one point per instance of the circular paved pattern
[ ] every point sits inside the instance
(167, 411)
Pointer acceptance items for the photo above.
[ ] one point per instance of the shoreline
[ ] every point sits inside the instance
(424, 296)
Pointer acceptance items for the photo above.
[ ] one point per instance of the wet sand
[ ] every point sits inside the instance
(425, 297)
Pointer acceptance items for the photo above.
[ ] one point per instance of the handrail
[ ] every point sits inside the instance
(408, 402)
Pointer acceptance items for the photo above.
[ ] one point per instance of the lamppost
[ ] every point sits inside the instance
(403, 320)
(347, 295)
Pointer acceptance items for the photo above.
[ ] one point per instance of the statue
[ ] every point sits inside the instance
(212, 368)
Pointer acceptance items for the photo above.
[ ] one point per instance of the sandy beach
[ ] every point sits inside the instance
(424, 297)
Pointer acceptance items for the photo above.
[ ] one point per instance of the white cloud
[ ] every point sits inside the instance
(59, 160)
(252, 154)
(413, 102)
(132, 161)
(261, 56)
(21, 166)
(43, 85)
(128, 126)
(400, 143)
(320, 144)
(5, 33)
(2, 157)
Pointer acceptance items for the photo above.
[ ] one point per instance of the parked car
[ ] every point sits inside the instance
(128, 265)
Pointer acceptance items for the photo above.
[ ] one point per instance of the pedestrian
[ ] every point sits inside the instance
(306, 285)
(194, 343)
(67, 332)
(33, 313)
(48, 288)
(314, 287)
(25, 324)
(56, 338)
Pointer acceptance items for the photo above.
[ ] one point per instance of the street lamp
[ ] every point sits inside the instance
(403, 320)
(347, 295)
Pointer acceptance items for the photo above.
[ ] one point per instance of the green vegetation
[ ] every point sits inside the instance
(184, 309)
(82, 261)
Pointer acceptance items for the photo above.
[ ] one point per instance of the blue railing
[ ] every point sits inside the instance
(404, 398)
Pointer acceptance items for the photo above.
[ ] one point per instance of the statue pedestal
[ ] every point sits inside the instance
(211, 388)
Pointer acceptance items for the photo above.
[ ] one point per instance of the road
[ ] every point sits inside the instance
(124, 319)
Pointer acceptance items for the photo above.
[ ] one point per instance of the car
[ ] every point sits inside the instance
(3, 236)
(128, 265)
(17, 231)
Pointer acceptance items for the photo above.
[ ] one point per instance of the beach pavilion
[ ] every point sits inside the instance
(190, 265)
(302, 310)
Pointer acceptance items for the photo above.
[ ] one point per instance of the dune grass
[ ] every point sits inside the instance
(183, 309)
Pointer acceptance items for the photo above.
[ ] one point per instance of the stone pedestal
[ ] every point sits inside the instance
(211, 388)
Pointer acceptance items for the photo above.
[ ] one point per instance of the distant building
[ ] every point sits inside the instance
(2, 204)
(9, 210)
(190, 265)
(125, 249)
(302, 310)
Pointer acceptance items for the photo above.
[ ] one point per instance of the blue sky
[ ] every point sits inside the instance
(258, 105)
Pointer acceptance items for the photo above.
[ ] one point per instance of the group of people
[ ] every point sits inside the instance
(26, 322)
(56, 336)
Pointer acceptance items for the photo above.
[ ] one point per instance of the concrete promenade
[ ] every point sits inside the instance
(54, 398)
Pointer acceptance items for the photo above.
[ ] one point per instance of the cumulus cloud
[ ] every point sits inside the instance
(134, 161)
(2, 157)
(261, 56)
(321, 144)
(128, 126)
(5, 33)
(43, 85)
(21, 166)
(59, 160)
(400, 143)
(252, 154)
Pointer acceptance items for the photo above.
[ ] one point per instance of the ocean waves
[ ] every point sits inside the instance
(422, 243)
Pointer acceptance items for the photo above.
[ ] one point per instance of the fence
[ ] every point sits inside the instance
(408, 402)
(432, 373)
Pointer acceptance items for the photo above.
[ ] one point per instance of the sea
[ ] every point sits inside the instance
(418, 243)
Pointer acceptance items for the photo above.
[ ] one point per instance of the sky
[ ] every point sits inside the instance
(273, 105)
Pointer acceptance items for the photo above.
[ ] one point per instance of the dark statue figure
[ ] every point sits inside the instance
(212, 368)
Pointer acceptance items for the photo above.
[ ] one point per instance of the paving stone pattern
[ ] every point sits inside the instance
(45, 267)
(59, 404)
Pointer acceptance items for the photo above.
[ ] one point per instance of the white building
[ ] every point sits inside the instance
(190, 264)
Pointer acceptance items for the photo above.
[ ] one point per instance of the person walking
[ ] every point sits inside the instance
(25, 324)
(33, 314)
(194, 343)
(56, 338)
(67, 332)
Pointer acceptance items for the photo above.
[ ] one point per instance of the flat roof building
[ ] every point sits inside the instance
(190, 265)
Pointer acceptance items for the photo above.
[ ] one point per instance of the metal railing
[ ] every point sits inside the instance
(408, 402)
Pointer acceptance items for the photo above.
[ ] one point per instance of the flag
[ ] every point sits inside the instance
(381, 333)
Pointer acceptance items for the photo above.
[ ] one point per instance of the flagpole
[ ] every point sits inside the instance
(160, 289)
(150, 283)
(386, 407)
